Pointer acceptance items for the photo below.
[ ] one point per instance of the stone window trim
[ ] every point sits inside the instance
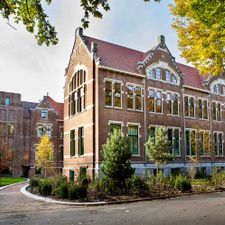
(189, 96)
(113, 82)
(139, 136)
(219, 133)
(44, 126)
(121, 123)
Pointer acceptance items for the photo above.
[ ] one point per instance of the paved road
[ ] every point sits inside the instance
(15, 208)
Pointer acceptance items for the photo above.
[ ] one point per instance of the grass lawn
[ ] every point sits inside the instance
(10, 180)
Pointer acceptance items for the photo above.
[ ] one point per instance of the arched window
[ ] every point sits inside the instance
(77, 93)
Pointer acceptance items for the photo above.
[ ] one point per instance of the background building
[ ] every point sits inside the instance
(23, 123)
(108, 87)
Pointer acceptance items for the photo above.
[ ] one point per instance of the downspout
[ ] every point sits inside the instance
(184, 127)
(145, 120)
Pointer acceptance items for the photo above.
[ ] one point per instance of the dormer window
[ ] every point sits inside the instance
(151, 74)
(7, 101)
(158, 75)
(162, 74)
(44, 113)
(173, 79)
(215, 88)
(168, 76)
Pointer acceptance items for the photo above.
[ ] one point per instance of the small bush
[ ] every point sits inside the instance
(76, 192)
(182, 184)
(34, 182)
(218, 177)
(61, 190)
(45, 187)
(137, 186)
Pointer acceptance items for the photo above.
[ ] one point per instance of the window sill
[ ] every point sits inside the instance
(134, 110)
(156, 113)
(111, 107)
(203, 119)
(188, 117)
(173, 115)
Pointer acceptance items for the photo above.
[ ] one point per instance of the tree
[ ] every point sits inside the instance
(45, 154)
(116, 159)
(158, 147)
(200, 26)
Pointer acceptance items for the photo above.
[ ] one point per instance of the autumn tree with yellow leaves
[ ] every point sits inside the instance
(45, 152)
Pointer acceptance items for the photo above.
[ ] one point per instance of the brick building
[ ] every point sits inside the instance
(108, 87)
(23, 123)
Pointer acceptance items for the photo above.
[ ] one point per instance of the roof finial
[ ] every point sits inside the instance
(47, 93)
(162, 39)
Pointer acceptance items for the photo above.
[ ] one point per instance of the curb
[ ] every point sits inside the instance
(49, 200)
(10, 185)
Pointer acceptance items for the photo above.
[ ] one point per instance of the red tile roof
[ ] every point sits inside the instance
(57, 106)
(125, 59)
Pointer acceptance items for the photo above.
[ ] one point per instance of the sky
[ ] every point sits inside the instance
(33, 70)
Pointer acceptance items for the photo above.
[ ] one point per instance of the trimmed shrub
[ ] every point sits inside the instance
(34, 181)
(45, 187)
(182, 184)
(137, 186)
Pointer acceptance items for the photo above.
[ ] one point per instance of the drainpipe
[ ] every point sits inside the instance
(145, 119)
(184, 126)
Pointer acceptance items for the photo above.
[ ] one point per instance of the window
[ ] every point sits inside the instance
(174, 138)
(187, 142)
(155, 101)
(172, 104)
(118, 95)
(203, 108)
(113, 93)
(80, 140)
(158, 75)
(217, 111)
(44, 113)
(218, 143)
(151, 101)
(158, 102)
(174, 79)
(134, 97)
(130, 99)
(169, 103)
(48, 131)
(151, 74)
(138, 98)
(189, 106)
(11, 129)
(40, 131)
(108, 93)
(133, 139)
(61, 153)
(77, 93)
(71, 175)
(116, 127)
(72, 143)
(168, 76)
(7, 101)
